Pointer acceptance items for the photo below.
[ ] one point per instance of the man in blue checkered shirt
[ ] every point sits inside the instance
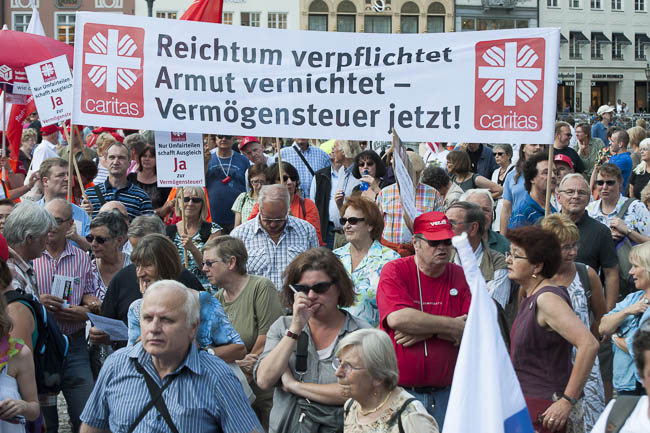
(315, 157)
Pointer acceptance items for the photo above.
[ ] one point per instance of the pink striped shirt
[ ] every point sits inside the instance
(72, 263)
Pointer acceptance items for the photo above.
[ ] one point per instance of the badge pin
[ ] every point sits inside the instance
(453, 292)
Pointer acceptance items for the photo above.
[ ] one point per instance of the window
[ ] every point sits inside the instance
(575, 45)
(467, 24)
(65, 27)
(318, 16)
(250, 19)
(409, 18)
(617, 51)
(166, 14)
(377, 24)
(596, 4)
(639, 5)
(436, 18)
(617, 5)
(551, 3)
(596, 49)
(641, 41)
(277, 20)
(574, 4)
(227, 18)
(346, 19)
(21, 21)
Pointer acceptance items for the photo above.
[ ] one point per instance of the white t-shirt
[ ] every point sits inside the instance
(637, 422)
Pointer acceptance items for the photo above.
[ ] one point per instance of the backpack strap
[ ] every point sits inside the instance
(623, 407)
(583, 274)
(302, 207)
(205, 231)
(100, 195)
(348, 405)
(302, 353)
(397, 416)
(621, 213)
(311, 170)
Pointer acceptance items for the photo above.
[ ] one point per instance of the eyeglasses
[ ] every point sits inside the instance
(352, 220)
(257, 182)
(572, 192)
(435, 244)
(209, 263)
(273, 220)
(193, 199)
(510, 256)
(566, 248)
(319, 288)
(287, 177)
(366, 163)
(224, 136)
(60, 221)
(100, 240)
(345, 366)
(609, 182)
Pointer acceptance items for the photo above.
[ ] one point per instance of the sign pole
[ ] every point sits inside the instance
(67, 137)
(547, 208)
(278, 145)
(182, 206)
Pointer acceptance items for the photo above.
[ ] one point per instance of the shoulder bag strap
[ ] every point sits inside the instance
(621, 213)
(583, 274)
(623, 407)
(303, 159)
(100, 196)
(397, 416)
(302, 353)
(156, 400)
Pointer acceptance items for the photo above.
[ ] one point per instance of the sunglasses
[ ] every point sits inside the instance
(366, 163)
(194, 199)
(499, 153)
(317, 288)
(609, 182)
(287, 177)
(224, 136)
(435, 244)
(100, 240)
(352, 220)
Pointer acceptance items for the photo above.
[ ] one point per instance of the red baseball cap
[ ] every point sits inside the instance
(4, 249)
(246, 141)
(49, 129)
(433, 226)
(565, 159)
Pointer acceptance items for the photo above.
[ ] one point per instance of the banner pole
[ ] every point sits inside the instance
(66, 135)
(81, 185)
(278, 145)
(4, 126)
(547, 207)
(182, 206)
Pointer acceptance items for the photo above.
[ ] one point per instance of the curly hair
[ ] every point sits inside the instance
(530, 168)
(541, 246)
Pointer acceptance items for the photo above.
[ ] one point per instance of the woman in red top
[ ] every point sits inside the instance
(302, 208)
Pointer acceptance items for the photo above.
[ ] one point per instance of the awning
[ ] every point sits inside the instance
(620, 38)
(643, 38)
(564, 40)
(579, 37)
(600, 38)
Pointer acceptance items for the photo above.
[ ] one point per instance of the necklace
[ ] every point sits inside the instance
(378, 407)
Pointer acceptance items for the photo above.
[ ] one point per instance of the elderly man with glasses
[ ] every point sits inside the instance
(274, 238)
(423, 302)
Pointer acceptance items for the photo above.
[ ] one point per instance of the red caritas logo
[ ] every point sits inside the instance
(509, 91)
(47, 72)
(178, 136)
(112, 70)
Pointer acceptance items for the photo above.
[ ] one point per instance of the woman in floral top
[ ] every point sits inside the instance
(198, 231)
(243, 205)
(364, 256)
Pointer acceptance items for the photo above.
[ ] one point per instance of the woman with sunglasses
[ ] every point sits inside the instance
(369, 167)
(316, 285)
(587, 300)
(147, 179)
(364, 256)
(623, 322)
(107, 236)
(303, 208)
(246, 201)
(199, 231)
(503, 157)
(366, 368)
(545, 331)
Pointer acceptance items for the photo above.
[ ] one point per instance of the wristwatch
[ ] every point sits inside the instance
(210, 351)
(573, 401)
(292, 335)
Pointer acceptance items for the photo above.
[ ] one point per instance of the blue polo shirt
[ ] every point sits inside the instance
(624, 162)
(527, 213)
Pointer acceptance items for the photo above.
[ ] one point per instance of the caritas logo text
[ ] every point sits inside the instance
(509, 91)
(112, 70)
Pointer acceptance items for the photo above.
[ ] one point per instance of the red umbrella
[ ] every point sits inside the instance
(20, 49)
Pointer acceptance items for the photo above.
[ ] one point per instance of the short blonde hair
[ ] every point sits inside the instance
(198, 191)
(103, 142)
(640, 255)
(27, 134)
(562, 226)
(636, 134)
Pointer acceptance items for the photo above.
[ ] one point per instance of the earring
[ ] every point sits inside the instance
(534, 276)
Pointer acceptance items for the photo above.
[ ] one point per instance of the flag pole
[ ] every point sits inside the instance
(279, 146)
(549, 177)
(4, 126)
(66, 135)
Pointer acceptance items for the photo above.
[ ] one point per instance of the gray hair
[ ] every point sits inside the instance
(136, 143)
(350, 148)
(27, 219)
(476, 191)
(275, 192)
(191, 305)
(377, 354)
(227, 247)
(63, 203)
(113, 221)
(573, 176)
(506, 148)
(145, 225)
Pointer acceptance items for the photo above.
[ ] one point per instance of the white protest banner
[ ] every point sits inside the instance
(404, 175)
(147, 73)
(51, 84)
(179, 159)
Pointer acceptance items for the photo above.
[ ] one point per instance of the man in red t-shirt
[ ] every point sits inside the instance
(423, 303)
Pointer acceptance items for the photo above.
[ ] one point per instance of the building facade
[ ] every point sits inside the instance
(377, 16)
(58, 16)
(475, 15)
(603, 52)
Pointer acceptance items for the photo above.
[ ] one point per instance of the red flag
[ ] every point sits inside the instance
(208, 11)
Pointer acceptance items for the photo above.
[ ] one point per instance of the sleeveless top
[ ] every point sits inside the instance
(541, 358)
(467, 184)
(9, 385)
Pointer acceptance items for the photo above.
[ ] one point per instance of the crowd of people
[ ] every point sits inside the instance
(296, 293)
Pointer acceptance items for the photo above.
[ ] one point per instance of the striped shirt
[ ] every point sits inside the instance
(136, 201)
(205, 396)
(74, 263)
(23, 273)
(427, 199)
(268, 259)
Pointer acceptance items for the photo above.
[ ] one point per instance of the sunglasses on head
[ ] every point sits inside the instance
(434, 244)
(100, 240)
(317, 288)
(352, 220)
(609, 182)
(194, 199)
